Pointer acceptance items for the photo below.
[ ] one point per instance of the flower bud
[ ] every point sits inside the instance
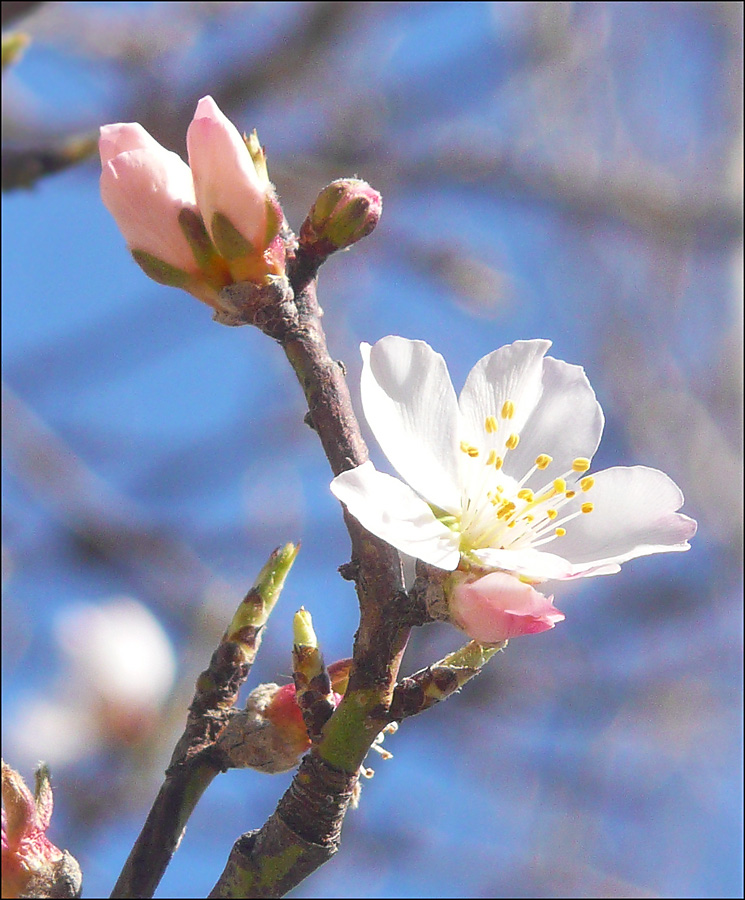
(150, 193)
(234, 194)
(344, 212)
(269, 735)
(498, 606)
(32, 865)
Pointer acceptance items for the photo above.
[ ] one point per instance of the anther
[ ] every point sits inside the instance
(491, 458)
(490, 424)
(508, 409)
(587, 507)
(543, 461)
(526, 494)
(559, 485)
(512, 441)
(560, 532)
(581, 464)
(587, 482)
(552, 513)
(571, 494)
(498, 462)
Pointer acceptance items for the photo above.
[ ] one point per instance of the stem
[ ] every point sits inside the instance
(305, 829)
(194, 763)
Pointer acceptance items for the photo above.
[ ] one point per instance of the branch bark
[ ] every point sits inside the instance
(196, 760)
(305, 829)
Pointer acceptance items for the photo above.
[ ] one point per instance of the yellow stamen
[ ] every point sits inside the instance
(552, 513)
(587, 507)
(508, 409)
(506, 509)
(559, 485)
(490, 424)
(469, 449)
(543, 461)
(587, 483)
(526, 494)
(491, 458)
(560, 532)
(581, 464)
(512, 441)
(571, 494)
(498, 462)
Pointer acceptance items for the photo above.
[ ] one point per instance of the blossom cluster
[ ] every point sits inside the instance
(200, 226)
(496, 485)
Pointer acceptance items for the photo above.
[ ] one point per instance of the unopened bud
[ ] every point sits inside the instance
(32, 865)
(269, 735)
(344, 212)
(303, 634)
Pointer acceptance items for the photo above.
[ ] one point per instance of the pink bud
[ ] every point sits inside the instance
(236, 200)
(32, 865)
(145, 187)
(499, 606)
(287, 717)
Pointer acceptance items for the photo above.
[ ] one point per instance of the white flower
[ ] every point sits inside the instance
(498, 479)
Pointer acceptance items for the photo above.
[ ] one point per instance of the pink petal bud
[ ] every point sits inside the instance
(145, 187)
(499, 606)
(231, 194)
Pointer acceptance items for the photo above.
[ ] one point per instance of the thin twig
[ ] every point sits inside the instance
(194, 764)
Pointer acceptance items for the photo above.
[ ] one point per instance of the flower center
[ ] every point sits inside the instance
(497, 510)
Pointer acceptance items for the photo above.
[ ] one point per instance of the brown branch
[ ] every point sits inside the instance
(309, 817)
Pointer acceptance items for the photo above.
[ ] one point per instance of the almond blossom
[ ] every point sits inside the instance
(498, 480)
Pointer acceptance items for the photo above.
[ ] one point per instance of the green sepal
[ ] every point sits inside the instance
(326, 203)
(229, 241)
(162, 272)
(257, 154)
(193, 228)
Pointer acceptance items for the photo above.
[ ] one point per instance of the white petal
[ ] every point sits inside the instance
(411, 407)
(391, 510)
(634, 514)
(532, 563)
(566, 423)
(511, 373)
